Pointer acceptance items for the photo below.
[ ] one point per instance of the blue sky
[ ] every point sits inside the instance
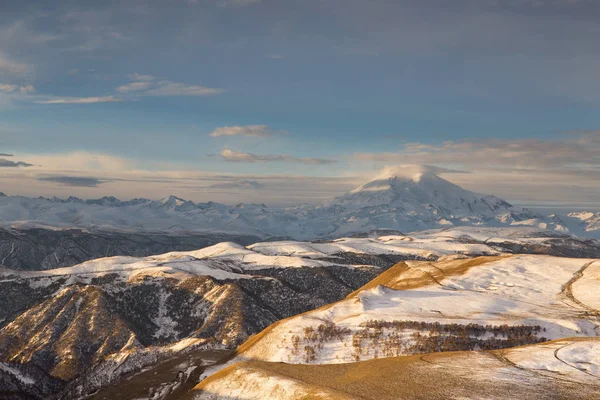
(319, 91)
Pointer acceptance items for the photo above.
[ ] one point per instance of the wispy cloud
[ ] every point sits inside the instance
(9, 66)
(78, 181)
(147, 85)
(140, 77)
(4, 163)
(236, 156)
(241, 184)
(578, 149)
(168, 88)
(68, 163)
(236, 3)
(134, 87)
(6, 155)
(248, 130)
(566, 168)
(10, 88)
(80, 100)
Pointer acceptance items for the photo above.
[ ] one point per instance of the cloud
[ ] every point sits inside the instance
(248, 130)
(140, 77)
(6, 155)
(241, 184)
(12, 67)
(9, 88)
(564, 169)
(80, 100)
(146, 85)
(77, 161)
(579, 150)
(235, 156)
(13, 164)
(236, 3)
(79, 181)
(168, 88)
(134, 87)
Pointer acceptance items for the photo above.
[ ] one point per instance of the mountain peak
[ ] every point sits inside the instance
(177, 203)
(417, 190)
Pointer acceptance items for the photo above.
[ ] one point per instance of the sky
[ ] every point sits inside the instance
(292, 101)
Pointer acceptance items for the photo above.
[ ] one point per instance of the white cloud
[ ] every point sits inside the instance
(236, 156)
(9, 88)
(168, 88)
(140, 77)
(134, 87)
(6, 88)
(26, 89)
(146, 85)
(80, 100)
(248, 130)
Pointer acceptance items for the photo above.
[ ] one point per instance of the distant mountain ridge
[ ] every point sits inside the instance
(401, 198)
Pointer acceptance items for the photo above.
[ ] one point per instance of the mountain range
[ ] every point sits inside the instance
(400, 198)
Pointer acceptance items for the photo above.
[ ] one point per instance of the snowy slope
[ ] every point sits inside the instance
(550, 297)
(421, 191)
(565, 369)
(229, 260)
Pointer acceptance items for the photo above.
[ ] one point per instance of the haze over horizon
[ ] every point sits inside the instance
(299, 101)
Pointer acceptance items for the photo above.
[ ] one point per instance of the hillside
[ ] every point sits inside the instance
(87, 325)
(455, 304)
(561, 370)
(42, 249)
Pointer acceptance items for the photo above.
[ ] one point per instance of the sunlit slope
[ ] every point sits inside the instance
(564, 369)
(420, 307)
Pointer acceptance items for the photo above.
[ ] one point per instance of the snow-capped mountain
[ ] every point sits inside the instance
(420, 190)
(402, 198)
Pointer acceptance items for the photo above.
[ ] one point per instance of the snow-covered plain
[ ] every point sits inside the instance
(397, 199)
